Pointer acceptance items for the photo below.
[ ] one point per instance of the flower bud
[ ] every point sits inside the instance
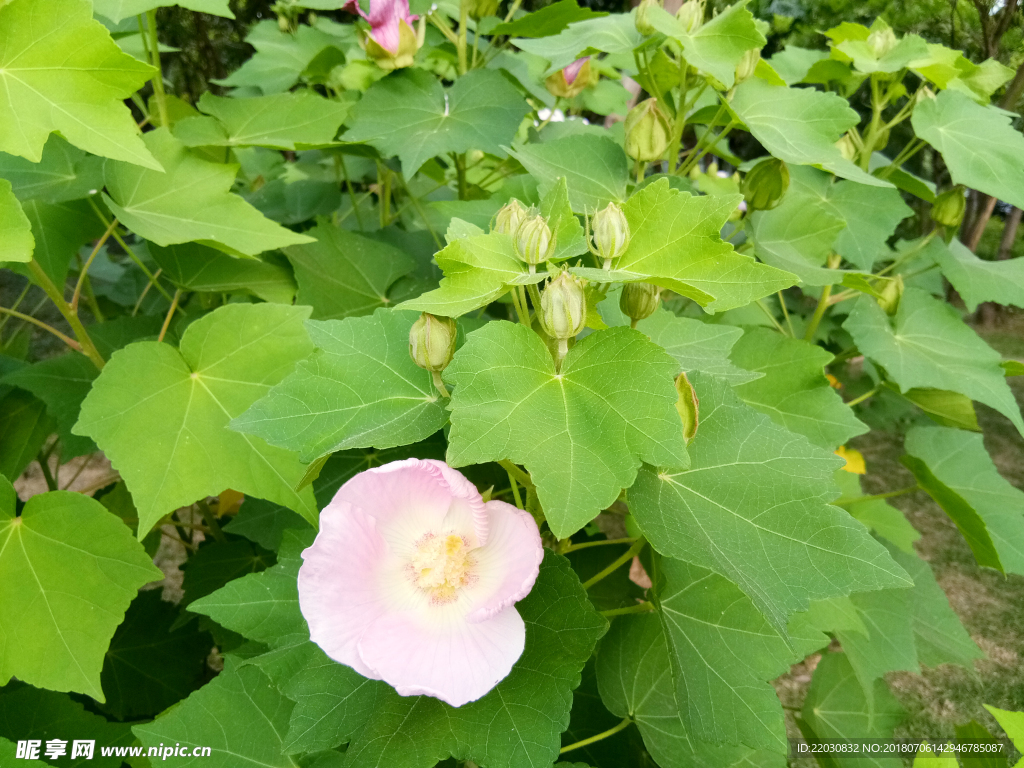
(846, 147)
(949, 207)
(643, 25)
(647, 131)
(765, 184)
(881, 41)
(534, 242)
(510, 217)
(691, 15)
(748, 65)
(891, 295)
(922, 94)
(403, 55)
(639, 300)
(563, 307)
(480, 8)
(432, 342)
(611, 233)
(688, 407)
(570, 81)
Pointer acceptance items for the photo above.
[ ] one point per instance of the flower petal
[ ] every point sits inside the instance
(429, 654)
(384, 19)
(571, 71)
(507, 566)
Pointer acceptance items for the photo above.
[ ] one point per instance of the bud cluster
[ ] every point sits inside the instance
(531, 234)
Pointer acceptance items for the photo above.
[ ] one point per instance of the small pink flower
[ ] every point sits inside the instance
(385, 19)
(413, 580)
(571, 71)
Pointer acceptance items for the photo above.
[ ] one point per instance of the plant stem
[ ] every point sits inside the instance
(785, 314)
(512, 10)
(29, 319)
(351, 192)
(127, 249)
(588, 544)
(626, 722)
(770, 316)
(44, 465)
(515, 491)
(875, 497)
(645, 607)
(436, 376)
(630, 553)
(865, 396)
(461, 45)
(170, 314)
(158, 78)
(88, 348)
(819, 312)
(88, 262)
(211, 521)
(516, 472)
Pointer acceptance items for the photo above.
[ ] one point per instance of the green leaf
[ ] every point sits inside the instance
(184, 398)
(281, 121)
(635, 675)
(24, 427)
(62, 383)
(9, 753)
(615, 33)
(950, 409)
(595, 169)
(728, 512)
(68, 570)
(149, 664)
(889, 644)
(879, 516)
(930, 346)
(549, 20)
(1012, 723)
(217, 563)
(240, 715)
(280, 58)
(717, 46)
(60, 71)
(908, 49)
(16, 241)
(794, 391)
(518, 723)
(581, 432)
(264, 522)
(116, 10)
(343, 274)
(799, 125)
(64, 173)
(836, 707)
(978, 280)
(28, 713)
(695, 345)
(359, 389)
(411, 115)
(192, 201)
(979, 145)
(793, 62)
(972, 492)
(676, 244)
(194, 267)
(59, 230)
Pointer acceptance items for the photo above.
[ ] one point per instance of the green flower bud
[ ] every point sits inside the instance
(748, 65)
(647, 131)
(534, 242)
(639, 300)
(691, 15)
(570, 81)
(480, 8)
(563, 307)
(688, 407)
(643, 25)
(847, 148)
(765, 184)
(510, 217)
(432, 342)
(611, 233)
(881, 41)
(891, 295)
(949, 207)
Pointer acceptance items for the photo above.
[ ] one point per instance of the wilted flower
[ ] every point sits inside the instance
(413, 580)
(391, 42)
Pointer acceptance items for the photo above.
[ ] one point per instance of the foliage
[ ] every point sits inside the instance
(234, 275)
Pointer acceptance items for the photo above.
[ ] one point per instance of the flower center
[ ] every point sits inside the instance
(441, 566)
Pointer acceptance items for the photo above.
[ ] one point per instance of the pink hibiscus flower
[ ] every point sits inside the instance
(385, 17)
(413, 580)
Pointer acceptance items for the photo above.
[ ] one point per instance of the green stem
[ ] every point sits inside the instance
(630, 553)
(626, 722)
(516, 472)
(170, 314)
(785, 314)
(460, 171)
(645, 607)
(908, 255)
(211, 521)
(770, 316)
(521, 313)
(436, 376)
(874, 128)
(819, 312)
(588, 544)
(461, 45)
(39, 323)
(127, 249)
(914, 146)
(158, 78)
(351, 191)
(443, 27)
(418, 205)
(88, 262)
(515, 491)
(865, 396)
(44, 464)
(874, 497)
(88, 348)
(512, 10)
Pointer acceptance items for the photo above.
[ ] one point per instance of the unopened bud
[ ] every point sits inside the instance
(691, 15)
(611, 233)
(688, 407)
(881, 41)
(639, 300)
(409, 43)
(563, 307)
(643, 24)
(949, 207)
(534, 242)
(432, 342)
(512, 214)
(647, 131)
(571, 80)
(891, 295)
(846, 147)
(480, 8)
(922, 94)
(765, 184)
(748, 65)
